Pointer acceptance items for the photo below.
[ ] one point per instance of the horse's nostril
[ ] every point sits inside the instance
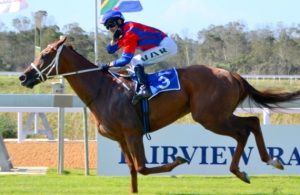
(22, 77)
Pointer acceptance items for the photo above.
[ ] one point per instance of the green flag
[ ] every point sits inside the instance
(107, 5)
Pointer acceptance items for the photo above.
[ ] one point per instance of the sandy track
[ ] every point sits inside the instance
(44, 153)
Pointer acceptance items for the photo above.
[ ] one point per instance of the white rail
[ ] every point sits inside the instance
(275, 77)
(21, 101)
(51, 103)
(266, 112)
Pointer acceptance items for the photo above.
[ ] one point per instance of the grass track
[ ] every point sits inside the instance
(75, 182)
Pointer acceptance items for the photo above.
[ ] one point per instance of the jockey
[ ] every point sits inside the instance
(155, 46)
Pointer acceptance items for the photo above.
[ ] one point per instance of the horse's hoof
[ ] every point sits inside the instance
(246, 178)
(276, 163)
(181, 160)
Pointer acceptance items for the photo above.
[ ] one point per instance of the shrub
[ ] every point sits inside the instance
(8, 127)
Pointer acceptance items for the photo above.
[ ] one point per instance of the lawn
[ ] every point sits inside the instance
(75, 182)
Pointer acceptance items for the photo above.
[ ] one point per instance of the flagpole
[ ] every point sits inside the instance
(96, 32)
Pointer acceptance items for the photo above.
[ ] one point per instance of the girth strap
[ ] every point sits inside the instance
(146, 122)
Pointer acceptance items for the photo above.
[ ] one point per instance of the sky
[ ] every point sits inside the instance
(183, 17)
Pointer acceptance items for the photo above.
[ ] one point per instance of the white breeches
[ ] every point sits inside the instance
(166, 49)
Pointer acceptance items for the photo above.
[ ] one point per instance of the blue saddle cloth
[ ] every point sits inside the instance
(164, 80)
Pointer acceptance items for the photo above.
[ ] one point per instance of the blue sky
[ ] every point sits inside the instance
(184, 17)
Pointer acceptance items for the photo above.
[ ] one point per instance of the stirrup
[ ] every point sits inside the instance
(142, 94)
(135, 100)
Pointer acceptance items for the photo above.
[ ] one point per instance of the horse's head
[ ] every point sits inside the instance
(44, 66)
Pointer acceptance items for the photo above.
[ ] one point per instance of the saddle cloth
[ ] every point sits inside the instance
(164, 80)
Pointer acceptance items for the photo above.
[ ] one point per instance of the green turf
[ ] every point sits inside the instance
(75, 182)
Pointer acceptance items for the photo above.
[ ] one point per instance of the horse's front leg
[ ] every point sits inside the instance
(133, 172)
(136, 148)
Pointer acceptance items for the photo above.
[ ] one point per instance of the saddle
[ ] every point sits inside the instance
(161, 81)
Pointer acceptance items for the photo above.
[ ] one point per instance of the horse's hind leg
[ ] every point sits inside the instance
(136, 148)
(253, 124)
(240, 133)
(239, 128)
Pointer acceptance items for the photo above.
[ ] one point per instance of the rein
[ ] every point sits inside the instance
(54, 64)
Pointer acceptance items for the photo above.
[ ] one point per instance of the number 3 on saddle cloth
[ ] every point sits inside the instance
(164, 80)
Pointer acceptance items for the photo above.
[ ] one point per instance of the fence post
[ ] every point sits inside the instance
(266, 116)
(5, 161)
(86, 143)
(20, 127)
(58, 88)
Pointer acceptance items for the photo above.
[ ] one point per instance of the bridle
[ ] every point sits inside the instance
(54, 65)
(42, 74)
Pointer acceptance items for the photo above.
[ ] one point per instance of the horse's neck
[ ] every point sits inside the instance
(85, 85)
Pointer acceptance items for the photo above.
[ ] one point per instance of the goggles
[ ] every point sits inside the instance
(110, 24)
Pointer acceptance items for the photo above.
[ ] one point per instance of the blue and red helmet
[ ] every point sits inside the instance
(112, 14)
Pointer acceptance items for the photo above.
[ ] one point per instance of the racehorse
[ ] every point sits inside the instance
(210, 94)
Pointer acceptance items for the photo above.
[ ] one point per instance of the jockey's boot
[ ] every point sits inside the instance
(143, 91)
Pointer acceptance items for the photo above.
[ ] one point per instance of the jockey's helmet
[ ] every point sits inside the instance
(112, 15)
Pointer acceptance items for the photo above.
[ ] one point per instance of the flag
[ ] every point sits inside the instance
(10, 6)
(128, 6)
(107, 5)
(120, 5)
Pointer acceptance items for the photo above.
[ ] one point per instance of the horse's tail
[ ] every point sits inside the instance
(268, 98)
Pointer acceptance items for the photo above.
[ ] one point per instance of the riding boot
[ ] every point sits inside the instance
(143, 91)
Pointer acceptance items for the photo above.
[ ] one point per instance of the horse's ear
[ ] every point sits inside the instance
(62, 40)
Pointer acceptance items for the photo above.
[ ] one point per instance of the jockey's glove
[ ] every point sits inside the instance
(104, 66)
(118, 34)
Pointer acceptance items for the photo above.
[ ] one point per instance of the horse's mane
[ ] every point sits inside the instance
(70, 46)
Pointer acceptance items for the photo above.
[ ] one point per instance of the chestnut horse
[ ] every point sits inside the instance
(210, 94)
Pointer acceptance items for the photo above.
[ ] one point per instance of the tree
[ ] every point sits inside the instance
(261, 51)
(81, 41)
(103, 39)
(22, 24)
(50, 35)
(287, 51)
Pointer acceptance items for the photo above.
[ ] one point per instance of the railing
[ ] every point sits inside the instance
(21, 103)
(262, 77)
(274, 77)
(265, 112)
(10, 74)
(49, 101)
